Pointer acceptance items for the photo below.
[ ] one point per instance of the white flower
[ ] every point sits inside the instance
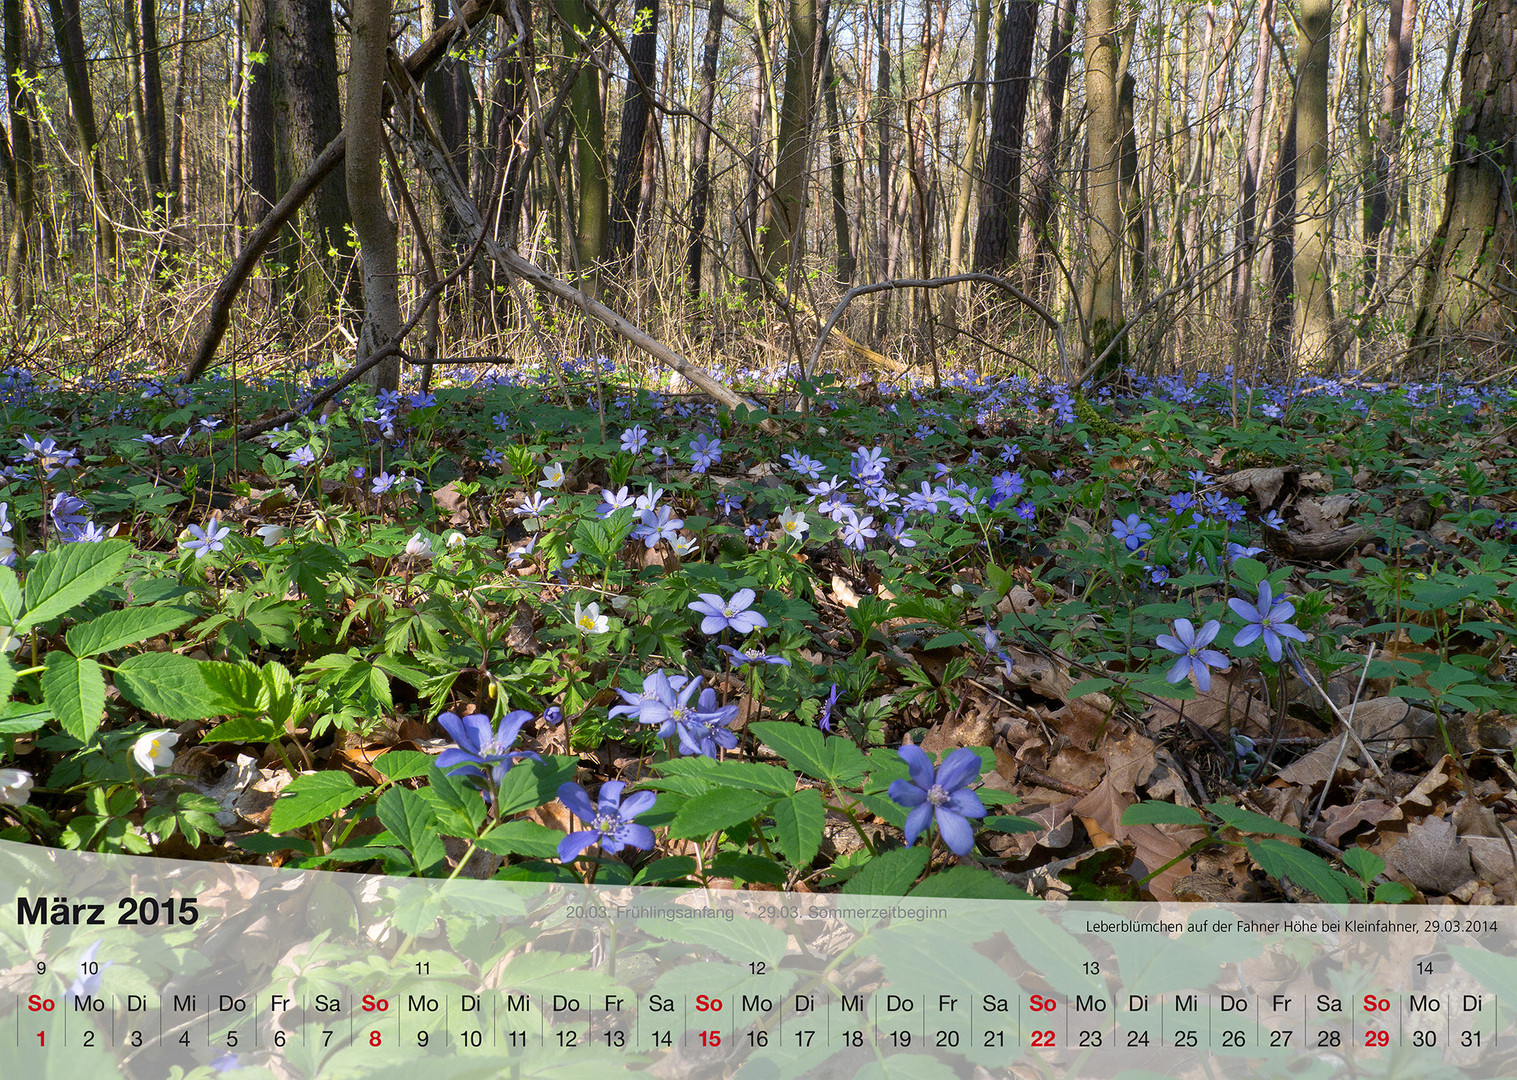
(793, 522)
(684, 545)
(15, 786)
(589, 620)
(271, 534)
(9, 641)
(419, 547)
(553, 475)
(456, 539)
(152, 750)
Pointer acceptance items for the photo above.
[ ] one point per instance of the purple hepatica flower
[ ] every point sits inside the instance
(206, 540)
(1181, 502)
(704, 453)
(1238, 551)
(1134, 532)
(657, 525)
(824, 721)
(657, 688)
(67, 512)
(480, 748)
(1268, 618)
(1272, 520)
(869, 463)
(1191, 646)
(303, 457)
(382, 483)
(611, 824)
(731, 614)
(634, 439)
(705, 729)
(612, 501)
(897, 534)
(753, 656)
(88, 985)
(942, 793)
(857, 531)
(1026, 510)
(726, 504)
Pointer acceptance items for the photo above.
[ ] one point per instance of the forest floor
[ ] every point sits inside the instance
(1187, 640)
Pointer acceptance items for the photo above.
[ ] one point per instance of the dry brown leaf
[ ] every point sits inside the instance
(1339, 821)
(1432, 857)
(1225, 705)
(1153, 845)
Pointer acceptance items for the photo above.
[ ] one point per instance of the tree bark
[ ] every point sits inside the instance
(845, 268)
(996, 235)
(1253, 142)
(258, 113)
(22, 165)
(700, 184)
(367, 68)
(1398, 63)
(303, 53)
(69, 38)
(154, 141)
(1042, 226)
(589, 120)
(1101, 292)
(1468, 306)
(1316, 348)
(969, 165)
(627, 187)
(784, 215)
(173, 178)
(1282, 238)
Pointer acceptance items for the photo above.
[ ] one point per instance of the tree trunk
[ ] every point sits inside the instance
(1282, 245)
(1101, 298)
(626, 190)
(845, 269)
(154, 142)
(258, 113)
(19, 102)
(1132, 192)
(589, 120)
(303, 53)
(996, 238)
(1253, 141)
(1468, 306)
(1316, 349)
(367, 68)
(1398, 62)
(883, 167)
(784, 216)
(1042, 226)
(969, 166)
(64, 15)
(700, 184)
(173, 179)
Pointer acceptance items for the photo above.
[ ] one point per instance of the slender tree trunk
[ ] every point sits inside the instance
(700, 184)
(996, 237)
(1131, 192)
(589, 121)
(64, 15)
(1101, 298)
(1282, 236)
(1468, 306)
(174, 180)
(969, 166)
(258, 113)
(22, 164)
(784, 217)
(1398, 58)
(845, 269)
(154, 142)
(1315, 349)
(626, 189)
(1042, 226)
(367, 68)
(883, 165)
(1253, 141)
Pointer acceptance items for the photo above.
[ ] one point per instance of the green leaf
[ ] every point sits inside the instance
(20, 717)
(1363, 862)
(530, 784)
(125, 627)
(75, 691)
(1281, 860)
(1007, 823)
(1089, 686)
(1161, 813)
(970, 883)
(743, 774)
(710, 813)
(798, 824)
(402, 764)
(835, 760)
(890, 874)
(11, 604)
(661, 870)
(168, 685)
(460, 808)
(742, 866)
(523, 838)
(236, 688)
(413, 824)
(244, 729)
(7, 678)
(1249, 822)
(311, 797)
(68, 575)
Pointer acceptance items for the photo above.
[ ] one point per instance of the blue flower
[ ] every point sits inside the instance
(479, 747)
(1134, 532)
(634, 439)
(655, 526)
(942, 793)
(705, 728)
(303, 457)
(611, 824)
(705, 452)
(753, 656)
(824, 721)
(657, 687)
(1191, 646)
(206, 540)
(731, 614)
(857, 531)
(1268, 618)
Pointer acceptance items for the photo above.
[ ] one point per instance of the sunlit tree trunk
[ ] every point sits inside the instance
(1468, 305)
(1398, 57)
(22, 165)
(1315, 345)
(1101, 298)
(784, 217)
(367, 67)
(969, 164)
(64, 15)
(1253, 142)
(1042, 226)
(589, 121)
